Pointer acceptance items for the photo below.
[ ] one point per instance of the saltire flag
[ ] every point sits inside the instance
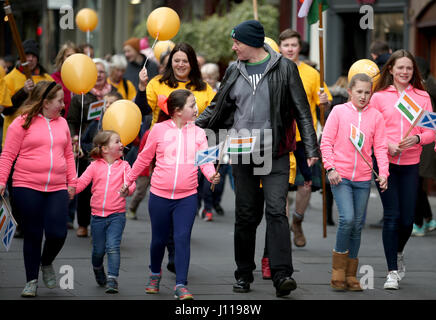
(357, 137)
(96, 109)
(9, 233)
(240, 145)
(408, 108)
(309, 8)
(428, 120)
(209, 155)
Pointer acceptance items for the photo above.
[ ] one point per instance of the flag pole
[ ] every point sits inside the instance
(17, 40)
(414, 124)
(322, 112)
(212, 187)
(256, 15)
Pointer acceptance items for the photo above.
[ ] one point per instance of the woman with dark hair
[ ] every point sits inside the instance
(400, 76)
(40, 136)
(181, 72)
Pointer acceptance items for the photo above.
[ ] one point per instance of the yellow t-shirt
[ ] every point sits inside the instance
(120, 88)
(155, 88)
(15, 81)
(310, 78)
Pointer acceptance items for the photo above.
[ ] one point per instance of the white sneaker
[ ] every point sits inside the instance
(29, 290)
(401, 265)
(392, 281)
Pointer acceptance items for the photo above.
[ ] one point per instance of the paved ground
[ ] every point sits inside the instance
(212, 264)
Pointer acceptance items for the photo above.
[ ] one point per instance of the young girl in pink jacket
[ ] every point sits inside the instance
(173, 192)
(108, 206)
(400, 75)
(39, 142)
(350, 176)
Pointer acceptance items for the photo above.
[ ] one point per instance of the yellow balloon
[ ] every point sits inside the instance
(123, 117)
(163, 23)
(79, 73)
(87, 19)
(162, 47)
(367, 67)
(272, 44)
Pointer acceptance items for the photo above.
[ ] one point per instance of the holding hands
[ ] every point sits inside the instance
(383, 183)
(124, 191)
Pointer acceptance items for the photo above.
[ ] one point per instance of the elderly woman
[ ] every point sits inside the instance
(116, 78)
(78, 122)
(68, 49)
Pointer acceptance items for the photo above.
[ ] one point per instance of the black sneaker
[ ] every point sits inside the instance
(285, 286)
(100, 276)
(218, 209)
(241, 286)
(112, 285)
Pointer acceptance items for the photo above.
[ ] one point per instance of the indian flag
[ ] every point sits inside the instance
(96, 109)
(408, 108)
(241, 145)
(357, 138)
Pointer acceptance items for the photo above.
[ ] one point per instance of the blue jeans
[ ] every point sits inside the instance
(106, 238)
(351, 199)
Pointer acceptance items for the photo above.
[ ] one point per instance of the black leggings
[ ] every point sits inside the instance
(41, 213)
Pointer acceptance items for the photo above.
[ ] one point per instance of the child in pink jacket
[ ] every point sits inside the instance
(349, 174)
(400, 75)
(108, 206)
(173, 192)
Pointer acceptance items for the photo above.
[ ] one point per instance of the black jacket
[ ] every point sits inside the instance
(288, 102)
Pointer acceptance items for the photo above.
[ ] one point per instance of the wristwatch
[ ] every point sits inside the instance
(331, 169)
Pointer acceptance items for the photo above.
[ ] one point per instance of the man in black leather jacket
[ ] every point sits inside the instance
(262, 94)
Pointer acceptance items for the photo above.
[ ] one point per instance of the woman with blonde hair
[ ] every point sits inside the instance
(68, 49)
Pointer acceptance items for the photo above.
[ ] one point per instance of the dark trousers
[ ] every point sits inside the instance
(248, 216)
(399, 202)
(179, 213)
(42, 213)
(84, 198)
(423, 209)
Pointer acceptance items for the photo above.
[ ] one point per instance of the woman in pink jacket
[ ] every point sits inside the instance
(350, 176)
(39, 141)
(173, 192)
(108, 206)
(400, 75)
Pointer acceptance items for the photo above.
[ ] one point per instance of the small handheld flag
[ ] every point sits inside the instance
(209, 155)
(241, 145)
(357, 137)
(428, 120)
(96, 109)
(408, 108)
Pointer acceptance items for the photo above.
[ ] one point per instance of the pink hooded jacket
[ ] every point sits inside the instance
(45, 160)
(397, 126)
(339, 152)
(107, 180)
(175, 175)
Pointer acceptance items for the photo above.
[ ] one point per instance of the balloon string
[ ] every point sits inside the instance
(152, 47)
(80, 136)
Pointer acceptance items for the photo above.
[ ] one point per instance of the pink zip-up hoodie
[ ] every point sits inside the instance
(175, 175)
(397, 126)
(45, 159)
(107, 180)
(339, 152)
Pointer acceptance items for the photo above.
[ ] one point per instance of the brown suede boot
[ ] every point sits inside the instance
(299, 239)
(350, 275)
(339, 266)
